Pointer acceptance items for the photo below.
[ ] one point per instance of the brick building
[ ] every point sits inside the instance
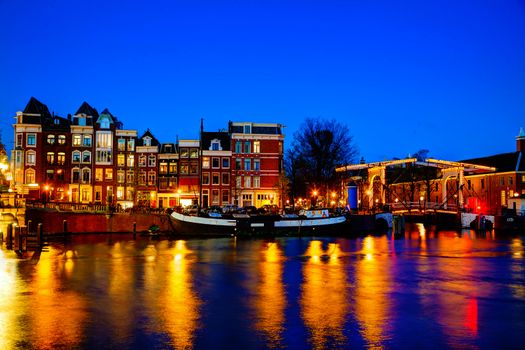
(147, 167)
(168, 175)
(257, 162)
(216, 168)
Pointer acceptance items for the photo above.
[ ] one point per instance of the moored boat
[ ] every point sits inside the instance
(240, 224)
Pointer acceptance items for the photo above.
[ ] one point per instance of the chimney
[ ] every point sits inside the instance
(520, 141)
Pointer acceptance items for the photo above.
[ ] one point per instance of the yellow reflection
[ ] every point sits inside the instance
(517, 268)
(120, 290)
(11, 308)
(373, 284)
(324, 301)
(59, 313)
(169, 289)
(270, 301)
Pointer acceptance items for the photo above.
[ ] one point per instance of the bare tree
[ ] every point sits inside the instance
(319, 146)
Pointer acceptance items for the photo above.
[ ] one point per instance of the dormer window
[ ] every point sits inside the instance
(147, 141)
(215, 145)
(247, 128)
(56, 121)
(104, 124)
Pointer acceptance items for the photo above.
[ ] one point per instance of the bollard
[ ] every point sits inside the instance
(134, 230)
(9, 236)
(39, 234)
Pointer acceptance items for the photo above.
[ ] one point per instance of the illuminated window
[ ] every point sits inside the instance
(215, 179)
(121, 144)
(121, 160)
(205, 162)
(131, 160)
(86, 175)
(184, 169)
(163, 168)
(130, 176)
(98, 174)
(121, 176)
(77, 140)
(30, 176)
(173, 168)
(50, 158)
(256, 147)
(247, 181)
(142, 161)
(205, 178)
(194, 153)
(61, 158)
(30, 158)
(109, 174)
(50, 139)
(61, 139)
(256, 182)
(152, 177)
(152, 161)
(184, 153)
(131, 145)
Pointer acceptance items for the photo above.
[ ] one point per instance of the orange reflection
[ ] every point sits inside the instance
(270, 302)
(324, 300)
(60, 313)
(373, 284)
(169, 289)
(517, 267)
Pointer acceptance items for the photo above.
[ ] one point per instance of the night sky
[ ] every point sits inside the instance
(448, 76)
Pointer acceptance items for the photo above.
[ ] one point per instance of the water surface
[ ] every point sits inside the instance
(419, 290)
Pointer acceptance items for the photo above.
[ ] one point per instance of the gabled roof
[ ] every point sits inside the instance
(154, 141)
(86, 109)
(34, 106)
(222, 136)
(512, 161)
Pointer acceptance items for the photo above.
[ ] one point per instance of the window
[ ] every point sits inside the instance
(205, 178)
(163, 168)
(19, 139)
(184, 153)
(31, 140)
(86, 157)
(215, 197)
(256, 182)
(104, 157)
(152, 177)
(194, 169)
(30, 158)
(131, 145)
(173, 168)
(215, 145)
(30, 176)
(510, 181)
(121, 160)
(142, 178)
(109, 174)
(247, 181)
(225, 178)
(130, 176)
(194, 153)
(77, 140)
(121, 144)
(225, 196)
(98, 174)
(146, 141)
(247, 129)
(104, 123)
(256, 147)
(247, 164)
(50, 139)
(50, 158)
(205, 162)
(163, 183)
(238, 147)
(61, 139)
(226, 163)
(121, 176)
(60, 175)
(152, 161)
(238, 180)
(131, 161)
(502, 181)
(61, 158)
(142, 161)
(215, 179)
(184, 169)
(104, 140)
(215, 162)
(247, 147)
(86, 176)
(75, 175)
(120, 193)
(87, 141)
(257, 164)
(237, 164)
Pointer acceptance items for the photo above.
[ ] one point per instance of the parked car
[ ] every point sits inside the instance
(229, 208)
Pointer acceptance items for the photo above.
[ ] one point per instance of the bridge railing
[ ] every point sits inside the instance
(419, 206)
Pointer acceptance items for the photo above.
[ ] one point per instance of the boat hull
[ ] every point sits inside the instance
(190, 225)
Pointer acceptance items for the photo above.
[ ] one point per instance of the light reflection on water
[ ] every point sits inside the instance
(423, 289)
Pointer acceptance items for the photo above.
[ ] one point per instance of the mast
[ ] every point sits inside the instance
(200, 165)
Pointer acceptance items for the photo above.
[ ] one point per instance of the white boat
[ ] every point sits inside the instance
(246, 224)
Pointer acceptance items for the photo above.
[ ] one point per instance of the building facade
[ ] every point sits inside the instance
(216, 169)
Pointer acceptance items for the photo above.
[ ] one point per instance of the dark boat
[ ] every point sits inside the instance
(318, 222)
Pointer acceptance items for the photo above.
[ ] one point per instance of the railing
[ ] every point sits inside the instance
(90, 208)
(423, 206)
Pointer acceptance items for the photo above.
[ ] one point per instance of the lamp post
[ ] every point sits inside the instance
(46, 189)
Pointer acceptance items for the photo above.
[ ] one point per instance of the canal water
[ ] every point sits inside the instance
(422, 289)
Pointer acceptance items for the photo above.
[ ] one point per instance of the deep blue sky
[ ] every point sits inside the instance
(448, 76)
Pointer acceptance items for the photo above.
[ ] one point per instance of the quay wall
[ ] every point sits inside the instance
(53, 221)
